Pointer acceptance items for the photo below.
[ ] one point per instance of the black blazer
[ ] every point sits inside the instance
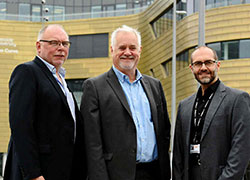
(225, 144)
(110, 131)
(42, 127)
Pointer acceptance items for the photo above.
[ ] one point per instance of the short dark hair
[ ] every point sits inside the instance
(200, 47)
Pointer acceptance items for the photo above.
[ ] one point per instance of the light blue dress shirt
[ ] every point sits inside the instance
(64, 88)
(140, 109)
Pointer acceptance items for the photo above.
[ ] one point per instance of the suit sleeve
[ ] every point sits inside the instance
(240, 144)
(178, 152)
(93, 138)
(22, 107)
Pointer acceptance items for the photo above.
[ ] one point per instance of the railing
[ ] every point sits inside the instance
(62, 17)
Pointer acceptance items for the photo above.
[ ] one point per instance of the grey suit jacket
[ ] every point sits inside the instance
(110, 131)
(225, 140)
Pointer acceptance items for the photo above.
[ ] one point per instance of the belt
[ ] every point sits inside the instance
(147, 165)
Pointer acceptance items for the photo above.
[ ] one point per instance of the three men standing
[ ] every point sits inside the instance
(127, 129)
(212, 131)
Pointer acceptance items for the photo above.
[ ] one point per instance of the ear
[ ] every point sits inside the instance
(111, 49)
(38, 46)
(218, 64)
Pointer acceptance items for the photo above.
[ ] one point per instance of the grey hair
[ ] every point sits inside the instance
(126, 29)
(43, 29)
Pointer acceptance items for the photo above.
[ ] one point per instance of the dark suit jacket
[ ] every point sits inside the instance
(225, 140)
(42, 127)
(110, 131)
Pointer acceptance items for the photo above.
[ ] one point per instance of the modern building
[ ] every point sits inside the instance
(90, 23)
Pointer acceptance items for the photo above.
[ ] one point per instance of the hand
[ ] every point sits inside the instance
(39, 178)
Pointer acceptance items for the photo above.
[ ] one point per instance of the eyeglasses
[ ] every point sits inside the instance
(56, 43)
(199, 64)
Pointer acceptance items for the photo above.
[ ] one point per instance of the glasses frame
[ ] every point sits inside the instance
(207, 65)
(58, 43)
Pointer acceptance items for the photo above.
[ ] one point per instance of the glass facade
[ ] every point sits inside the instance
(27, 10)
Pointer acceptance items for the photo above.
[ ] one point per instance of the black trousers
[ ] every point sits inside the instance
(148, 171)
(195, 172)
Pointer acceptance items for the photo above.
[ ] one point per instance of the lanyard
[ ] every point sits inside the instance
(197, 120)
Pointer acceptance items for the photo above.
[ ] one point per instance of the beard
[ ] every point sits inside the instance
(206, 80)
(127, 65)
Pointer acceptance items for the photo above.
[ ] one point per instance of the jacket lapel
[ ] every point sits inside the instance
(51, 78)
(213, 107)
(148, 91)
(115, 85)
(188, 109)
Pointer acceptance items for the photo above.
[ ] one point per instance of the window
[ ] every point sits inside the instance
(59, 13)
(182, 60)
(96, 11)
(244, 48)
(109, 10)
(217, 47)
(122, 8)
(2, 10)
(36, 13)
(167, 67)
(163, 23)
(89, 46)
(230, 50)
(24, 12)
(75, 85)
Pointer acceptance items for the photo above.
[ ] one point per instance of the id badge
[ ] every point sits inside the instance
(195, 149)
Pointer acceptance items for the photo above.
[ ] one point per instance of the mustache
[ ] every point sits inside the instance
(125, 57)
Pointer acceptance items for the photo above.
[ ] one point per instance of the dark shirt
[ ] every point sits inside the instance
(196, 131)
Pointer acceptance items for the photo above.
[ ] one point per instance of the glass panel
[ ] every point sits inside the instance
(182, 60)
(217, 47)
(137, 7)
(196, 6)
(122, 8)
(96, 11)
(221, 3)
(2, 10)
(59, 13)
(109, 10)
(36, 13)
(233, 2)
(209, 4)
(230, 50)
(24, 12)
(244, 48)
(167, 66)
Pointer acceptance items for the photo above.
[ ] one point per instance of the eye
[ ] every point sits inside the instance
(54, 42)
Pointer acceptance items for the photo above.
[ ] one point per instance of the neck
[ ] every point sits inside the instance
(205, 86)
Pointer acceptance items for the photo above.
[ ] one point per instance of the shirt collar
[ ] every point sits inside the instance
(211, 89)
(52, 68)
(123, 77)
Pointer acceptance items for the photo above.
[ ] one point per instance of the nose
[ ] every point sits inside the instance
(127, 51)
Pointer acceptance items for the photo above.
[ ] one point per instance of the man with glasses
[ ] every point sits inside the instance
(212, 127)
(46, 126)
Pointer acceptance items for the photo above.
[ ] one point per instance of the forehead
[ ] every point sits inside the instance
(203, 54)
(55, 32)
(126, 38)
